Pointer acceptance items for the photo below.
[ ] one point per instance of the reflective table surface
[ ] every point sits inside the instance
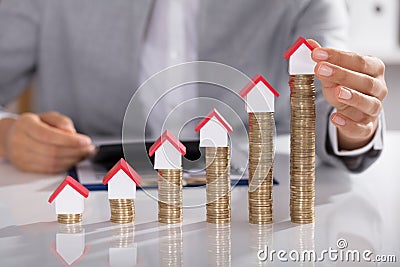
(356, 214)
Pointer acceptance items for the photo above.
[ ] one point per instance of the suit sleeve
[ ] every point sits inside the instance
(326, 21)
(19, 30)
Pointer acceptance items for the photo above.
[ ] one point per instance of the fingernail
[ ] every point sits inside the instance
(91, 149)
(68, 127)
(321, 54)
(339, 120)
(325, 71)
(85, 141)
(345, 93)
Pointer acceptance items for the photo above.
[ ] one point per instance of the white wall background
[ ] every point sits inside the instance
(375, 30)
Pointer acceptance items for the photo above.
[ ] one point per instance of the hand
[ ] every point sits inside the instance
(44, 143)
(355, 86)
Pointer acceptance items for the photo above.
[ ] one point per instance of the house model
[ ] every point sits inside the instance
(168, 152)
(214, 130)
(69, 197)
(259, 95)
(299, 56)
(122, 180)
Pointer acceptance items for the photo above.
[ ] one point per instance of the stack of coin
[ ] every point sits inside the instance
(123, 235)
(122, 210)
(69, 218)
(171, 246)
(261, 160)
(170, 196)
(302, 148)
(218, 185)
(219, 244)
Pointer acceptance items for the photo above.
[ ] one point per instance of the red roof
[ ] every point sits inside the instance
(122, 165)
(214, 113)
(296, 46)
(74, 184)
(258, 78)
(167, 136)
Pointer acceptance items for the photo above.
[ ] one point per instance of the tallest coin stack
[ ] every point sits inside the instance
(302, 148)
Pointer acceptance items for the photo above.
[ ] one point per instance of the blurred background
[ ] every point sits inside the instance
(374, 30)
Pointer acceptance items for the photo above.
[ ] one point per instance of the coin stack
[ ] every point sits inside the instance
(261, 160)
(218, 185)
(302, 148)
(219, 244)
(122, 210)
(170, 196)
(69, 218)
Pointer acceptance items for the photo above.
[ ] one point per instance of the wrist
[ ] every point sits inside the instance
(5, 126)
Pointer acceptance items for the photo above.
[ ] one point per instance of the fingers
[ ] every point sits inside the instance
(366, 104)
(58, 120)
(371, 66)
(59, 152)
(331, 74)
(354, 130)
(313, 43)
(43, 164)
(47, 134)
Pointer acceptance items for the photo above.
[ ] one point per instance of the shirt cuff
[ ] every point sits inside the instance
(376, 142)
(5, 114)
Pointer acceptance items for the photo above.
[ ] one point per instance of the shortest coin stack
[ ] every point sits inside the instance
(69, 218)
(218, 185)
(170, 196)
(122, 210)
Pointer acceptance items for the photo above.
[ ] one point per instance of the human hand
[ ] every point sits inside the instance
(355, 85)
(44, 143)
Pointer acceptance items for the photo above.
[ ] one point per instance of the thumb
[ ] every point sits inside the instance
(58, 120)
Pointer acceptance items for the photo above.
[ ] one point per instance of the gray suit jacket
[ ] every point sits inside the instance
(85, 54)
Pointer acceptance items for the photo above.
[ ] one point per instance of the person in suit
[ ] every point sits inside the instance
(85, 58)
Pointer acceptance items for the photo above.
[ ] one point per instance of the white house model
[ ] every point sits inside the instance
(122, 180)
(259, 95)
(213, 130)
(299, 56)
(69, 197)
(168, 152)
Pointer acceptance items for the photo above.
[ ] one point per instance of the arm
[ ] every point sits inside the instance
(45, 143)
(326, 21)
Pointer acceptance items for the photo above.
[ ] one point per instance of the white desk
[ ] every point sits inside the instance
(363, 209)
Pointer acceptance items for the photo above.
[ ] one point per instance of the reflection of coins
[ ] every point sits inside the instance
(218, 185)
(75, 228)
(123, 235)
(219, 244)
(261, 159)
(170, 196)
(302, 148)
(171, 246)
(69, 218)
(122, 210)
